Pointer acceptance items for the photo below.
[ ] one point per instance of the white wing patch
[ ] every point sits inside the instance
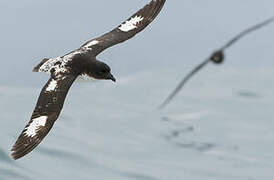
(52, 85)
(49, 64)
(36, 123)
(59, 63)
(131, 24)
(92, 43)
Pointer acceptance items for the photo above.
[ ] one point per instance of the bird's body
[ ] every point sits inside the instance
(80, 63)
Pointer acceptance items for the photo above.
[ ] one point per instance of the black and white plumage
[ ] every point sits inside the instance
(216, 57)
(64, 70)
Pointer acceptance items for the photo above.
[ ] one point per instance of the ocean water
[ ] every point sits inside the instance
(220, 127)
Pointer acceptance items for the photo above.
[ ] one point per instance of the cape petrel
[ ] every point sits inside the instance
(64, 70)
(216, 57)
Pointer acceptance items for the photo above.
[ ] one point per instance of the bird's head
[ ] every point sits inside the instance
(101, 70)
(217, 57)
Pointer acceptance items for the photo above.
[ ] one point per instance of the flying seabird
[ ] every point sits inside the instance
(64, 70)
(216, 57)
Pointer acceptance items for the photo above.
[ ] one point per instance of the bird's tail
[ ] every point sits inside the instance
(37, 68)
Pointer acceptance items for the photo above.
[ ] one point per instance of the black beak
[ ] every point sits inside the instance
(111, 77)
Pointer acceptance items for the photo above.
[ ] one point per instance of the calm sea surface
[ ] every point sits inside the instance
(220, 127)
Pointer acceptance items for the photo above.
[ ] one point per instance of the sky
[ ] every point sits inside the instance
(185, 32)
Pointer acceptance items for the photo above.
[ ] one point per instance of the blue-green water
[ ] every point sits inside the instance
(220, 127)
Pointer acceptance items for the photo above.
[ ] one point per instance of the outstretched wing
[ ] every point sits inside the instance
(47, 110)
(183, 82)
(247, 31)
(128, 29)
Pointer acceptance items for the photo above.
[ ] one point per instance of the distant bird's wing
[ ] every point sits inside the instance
(47, 110)
(128, 29)
(247, 31)
(183, 82)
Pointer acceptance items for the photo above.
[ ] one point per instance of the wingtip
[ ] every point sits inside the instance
(162, 106)
(13, 155)
(16, 153)
(19, 150)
